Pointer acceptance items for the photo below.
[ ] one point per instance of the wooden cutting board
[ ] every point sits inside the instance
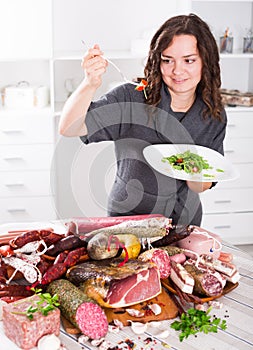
(169, 310)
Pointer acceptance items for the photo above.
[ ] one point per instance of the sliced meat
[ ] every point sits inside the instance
(134, 289)
(160, 258)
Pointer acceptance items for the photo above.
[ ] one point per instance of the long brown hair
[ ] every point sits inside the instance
(210, 83)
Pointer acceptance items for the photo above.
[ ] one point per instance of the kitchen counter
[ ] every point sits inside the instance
(237, 310)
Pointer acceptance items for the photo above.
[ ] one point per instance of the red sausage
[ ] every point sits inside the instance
(54, 272)
(74, 256)
(24, 238)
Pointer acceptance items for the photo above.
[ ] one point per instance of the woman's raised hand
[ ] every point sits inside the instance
(94, 66)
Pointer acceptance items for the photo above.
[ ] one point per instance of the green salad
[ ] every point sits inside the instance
(190, 162)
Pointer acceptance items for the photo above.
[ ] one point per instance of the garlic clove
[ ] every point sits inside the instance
(118, 323)
(156, 309)
(138, 327)
(50, 341)
(135, 313)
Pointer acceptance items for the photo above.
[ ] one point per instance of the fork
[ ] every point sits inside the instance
(116, 67)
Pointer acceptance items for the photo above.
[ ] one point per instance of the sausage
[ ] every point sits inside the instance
(13, 290)
(50, 237)
(177, 233)
(24, 238)
(79, 309)
(6, 250)
(66, 243)
(85, 225)
(3, 273)
(73, 257)
(55, 271)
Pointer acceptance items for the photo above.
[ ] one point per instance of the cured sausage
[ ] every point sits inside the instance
(175, 234)
(79, 309)
(85, 225)
(66, 243)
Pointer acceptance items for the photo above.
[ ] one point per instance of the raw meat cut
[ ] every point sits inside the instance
(114, 286)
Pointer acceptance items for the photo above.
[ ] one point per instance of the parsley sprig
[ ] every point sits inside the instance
(194, 321)
(44, 305)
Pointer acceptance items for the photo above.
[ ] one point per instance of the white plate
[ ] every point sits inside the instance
(57, 226)
(154, 154)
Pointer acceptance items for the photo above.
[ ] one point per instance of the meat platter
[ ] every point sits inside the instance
(130, 269)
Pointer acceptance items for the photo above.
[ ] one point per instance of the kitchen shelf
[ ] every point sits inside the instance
(236, 55)
(77, 55)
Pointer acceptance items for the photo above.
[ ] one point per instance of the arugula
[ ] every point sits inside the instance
(44, 305)
(194, 321)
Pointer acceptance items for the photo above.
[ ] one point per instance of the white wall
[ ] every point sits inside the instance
(25, 29)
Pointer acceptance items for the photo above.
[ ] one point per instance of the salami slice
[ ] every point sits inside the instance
(91, 321)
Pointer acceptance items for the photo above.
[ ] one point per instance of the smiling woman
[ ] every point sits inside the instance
(180, 103)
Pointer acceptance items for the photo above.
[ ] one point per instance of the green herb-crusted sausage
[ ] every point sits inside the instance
(79, 309)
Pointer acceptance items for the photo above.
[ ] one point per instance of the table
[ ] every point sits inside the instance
(237, 307)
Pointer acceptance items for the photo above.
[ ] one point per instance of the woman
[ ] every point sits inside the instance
(180, 104)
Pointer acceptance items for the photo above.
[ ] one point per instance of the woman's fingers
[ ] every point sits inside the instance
(94, 65)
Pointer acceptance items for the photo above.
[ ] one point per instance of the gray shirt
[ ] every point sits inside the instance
(123, 117)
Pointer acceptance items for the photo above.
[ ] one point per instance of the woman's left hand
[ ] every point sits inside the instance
(198, 187)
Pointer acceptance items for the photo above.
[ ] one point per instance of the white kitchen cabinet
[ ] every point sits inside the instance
(26, 152)
(26, 135)
(228, 208)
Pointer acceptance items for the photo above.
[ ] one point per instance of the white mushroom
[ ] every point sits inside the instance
(97, 342)
(113, 329)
